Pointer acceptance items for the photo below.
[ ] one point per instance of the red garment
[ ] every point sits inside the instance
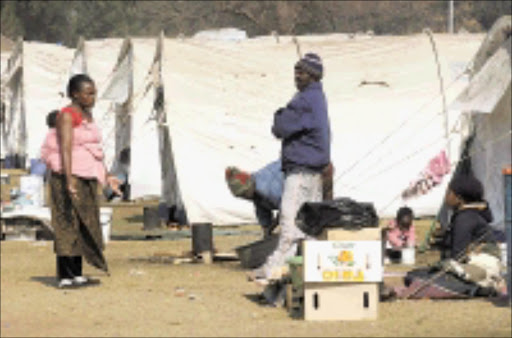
(76, 116)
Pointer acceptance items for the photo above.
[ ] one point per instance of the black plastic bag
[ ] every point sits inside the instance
(342, 212)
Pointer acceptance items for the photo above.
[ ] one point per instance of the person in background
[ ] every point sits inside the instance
(470, 219)
(73, 154)
(399, 234)
(304, 130)
(122, 172)
(470, 226)
(264, 188)
(51, 119)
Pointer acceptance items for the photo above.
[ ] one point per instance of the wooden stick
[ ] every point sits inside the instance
(297, 44)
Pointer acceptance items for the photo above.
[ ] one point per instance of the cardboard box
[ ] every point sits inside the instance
(342, 261)
(341, 301)
(364, 234)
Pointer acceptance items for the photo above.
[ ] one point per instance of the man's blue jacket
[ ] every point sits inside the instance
(303, 127)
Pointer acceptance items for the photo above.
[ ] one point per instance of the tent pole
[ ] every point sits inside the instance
(441, 87)
(450, 17)
(507, 181)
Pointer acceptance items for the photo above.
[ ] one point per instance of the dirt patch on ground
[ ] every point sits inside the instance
(139, 299)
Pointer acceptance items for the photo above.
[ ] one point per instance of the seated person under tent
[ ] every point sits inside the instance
(471, 260)
(264, 188)
(121, 171)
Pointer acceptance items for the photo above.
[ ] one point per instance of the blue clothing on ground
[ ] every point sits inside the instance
(269, 181)
(303, 127)
(268, 186)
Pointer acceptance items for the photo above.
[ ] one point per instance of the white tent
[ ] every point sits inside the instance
(79, 62)
(13, 120)
(220, 100)
(125, 107)
(3, 65)
(101, 58)
(224, 34)
(32, 87)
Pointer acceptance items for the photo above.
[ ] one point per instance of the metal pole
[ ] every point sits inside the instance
(450, 17)
(507, 174)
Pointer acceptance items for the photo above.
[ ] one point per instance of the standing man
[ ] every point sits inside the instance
(303, 128)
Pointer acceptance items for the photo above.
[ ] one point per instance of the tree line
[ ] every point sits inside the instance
(64, 21)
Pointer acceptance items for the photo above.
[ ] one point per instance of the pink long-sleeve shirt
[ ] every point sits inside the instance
(86, 152)
(399, 238)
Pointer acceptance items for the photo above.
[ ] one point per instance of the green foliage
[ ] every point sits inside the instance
(65, 21)
(485, 11)
(10, 23)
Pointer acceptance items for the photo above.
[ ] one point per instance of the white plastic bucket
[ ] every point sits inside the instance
(106, 223)
(408, 256)
(32, 187)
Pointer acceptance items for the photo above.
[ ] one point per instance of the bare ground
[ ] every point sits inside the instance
(139, 298)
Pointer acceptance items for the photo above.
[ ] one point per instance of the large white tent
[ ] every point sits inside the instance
(32, 86)
(386, 111)
(127, 81)
(221, 97)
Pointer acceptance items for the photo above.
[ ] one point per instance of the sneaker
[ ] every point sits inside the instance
(80, 280)
(267, 231)
(261, 282)
(257, 275)
(65, 282)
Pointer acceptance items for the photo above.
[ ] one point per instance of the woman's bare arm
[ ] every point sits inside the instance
(65, 134)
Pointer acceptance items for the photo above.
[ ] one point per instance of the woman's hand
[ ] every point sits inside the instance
(114, 183)
(72, 187)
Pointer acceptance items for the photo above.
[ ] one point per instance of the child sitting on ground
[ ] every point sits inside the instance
(398, 234)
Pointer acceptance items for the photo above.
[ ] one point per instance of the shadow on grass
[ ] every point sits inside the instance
(46, 280)
(135, 219)
(51, 282)
(257, 298)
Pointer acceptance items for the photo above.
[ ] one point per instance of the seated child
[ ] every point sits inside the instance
(399, 234)
(50, 141)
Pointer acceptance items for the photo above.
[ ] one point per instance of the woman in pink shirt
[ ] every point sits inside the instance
(72, 151)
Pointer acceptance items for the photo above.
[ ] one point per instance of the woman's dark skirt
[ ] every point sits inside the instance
(76, 222)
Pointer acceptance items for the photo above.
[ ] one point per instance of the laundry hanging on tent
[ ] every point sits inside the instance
(430, 177)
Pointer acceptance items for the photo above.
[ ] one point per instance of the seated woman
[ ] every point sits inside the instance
(398, 234)
(470, 264)
(264, 188)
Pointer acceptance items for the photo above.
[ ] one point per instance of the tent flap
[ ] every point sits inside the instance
(488, 86)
